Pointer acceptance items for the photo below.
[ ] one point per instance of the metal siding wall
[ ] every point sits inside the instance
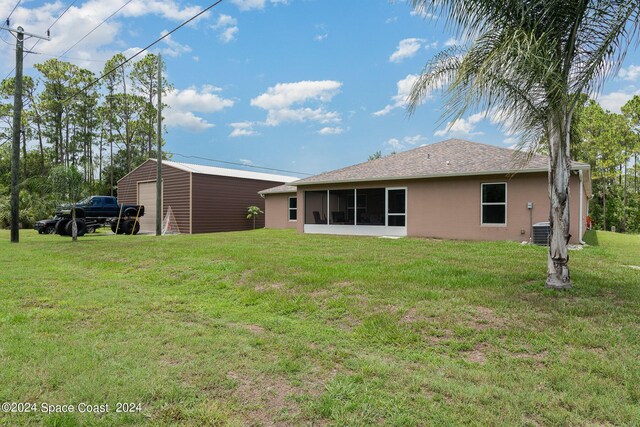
(220, 203)
(175, 190)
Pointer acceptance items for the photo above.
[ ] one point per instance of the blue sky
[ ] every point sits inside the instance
(302, 85)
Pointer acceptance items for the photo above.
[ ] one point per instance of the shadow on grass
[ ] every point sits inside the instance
(591, 238)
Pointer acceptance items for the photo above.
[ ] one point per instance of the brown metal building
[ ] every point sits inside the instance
(203, 199)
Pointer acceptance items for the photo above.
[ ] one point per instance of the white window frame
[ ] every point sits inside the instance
(289, 208)
(483, 204)
(386, 206)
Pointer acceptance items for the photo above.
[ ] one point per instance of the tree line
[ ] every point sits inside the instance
(103, 130)
(610, 143)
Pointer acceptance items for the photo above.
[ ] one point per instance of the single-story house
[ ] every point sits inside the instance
(454, 189)
(202, 199)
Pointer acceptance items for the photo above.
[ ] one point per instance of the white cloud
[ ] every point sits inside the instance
(242, 129)
(246, 162)
(451, 42)
(406, 48)
(615, 100)
(173, 48)
(284, 95)
(423, 13)
(229, 34)
(320, 115)
(400, 99)
(185, 103)
(391, 20)
(228, 26)
(225, 21)
(78, 21)
(279, 100)
(245, 5)
(331, 131)
(321, 37)
(413, 140)
(631, 73)
(463, 128)
(395, 144)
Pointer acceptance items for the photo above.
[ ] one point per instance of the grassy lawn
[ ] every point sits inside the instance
(275, 328)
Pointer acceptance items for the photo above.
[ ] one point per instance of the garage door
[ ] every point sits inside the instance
(147, 198)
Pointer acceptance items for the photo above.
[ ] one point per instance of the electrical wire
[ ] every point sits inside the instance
(51, 26)
(66, 57)
(14, 9)
(8, 19)
(158, 40)
(95, 28)
(237, 164)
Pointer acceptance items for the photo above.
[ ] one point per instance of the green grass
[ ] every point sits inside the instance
(276, 328)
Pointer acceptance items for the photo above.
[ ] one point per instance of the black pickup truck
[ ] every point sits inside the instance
(94, 212)
(101, 207)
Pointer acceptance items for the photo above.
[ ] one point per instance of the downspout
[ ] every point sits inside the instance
(580, 175)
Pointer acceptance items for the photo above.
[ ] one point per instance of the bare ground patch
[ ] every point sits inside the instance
(270, 400)
(478, 354)
(256, 329)
(485, 318)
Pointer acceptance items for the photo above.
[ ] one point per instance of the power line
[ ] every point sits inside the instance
(238, 164)
(51, 26)
(8, 20)
(66, 57)
(48, 29)
(158, 40)
(95, 28)
(14, 9)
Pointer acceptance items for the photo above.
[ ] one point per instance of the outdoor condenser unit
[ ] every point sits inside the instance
(541, 233)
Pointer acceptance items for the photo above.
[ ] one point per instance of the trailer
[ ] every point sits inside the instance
(92, 213)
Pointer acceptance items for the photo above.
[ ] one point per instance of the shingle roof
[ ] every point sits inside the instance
(452, 157)
(279, 189)
(236, 173)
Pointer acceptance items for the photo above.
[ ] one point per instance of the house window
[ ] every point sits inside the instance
(494, 203)
(293, 208)
(396, 207)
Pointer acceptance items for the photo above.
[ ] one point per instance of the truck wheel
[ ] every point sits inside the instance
(127, 227)
(61, 226)
(131, 226)
(82, 227)
(120, 229)
(49, 229)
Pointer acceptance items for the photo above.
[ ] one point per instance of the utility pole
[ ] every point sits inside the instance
(17, 128)
(159, 153)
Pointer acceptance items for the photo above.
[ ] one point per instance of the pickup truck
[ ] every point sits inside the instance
(96, 211)
(101, 207)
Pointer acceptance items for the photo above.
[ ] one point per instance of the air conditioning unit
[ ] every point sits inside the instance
(541, 233)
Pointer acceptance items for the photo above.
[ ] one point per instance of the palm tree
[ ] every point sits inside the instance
(529, 61)
(252, 213)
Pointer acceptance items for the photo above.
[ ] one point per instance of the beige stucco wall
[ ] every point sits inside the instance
(450, 207)
(277, 211)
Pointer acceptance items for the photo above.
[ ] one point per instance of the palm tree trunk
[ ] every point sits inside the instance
(74, 225)
(624, 200)
(604, 203)
(558, 276)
